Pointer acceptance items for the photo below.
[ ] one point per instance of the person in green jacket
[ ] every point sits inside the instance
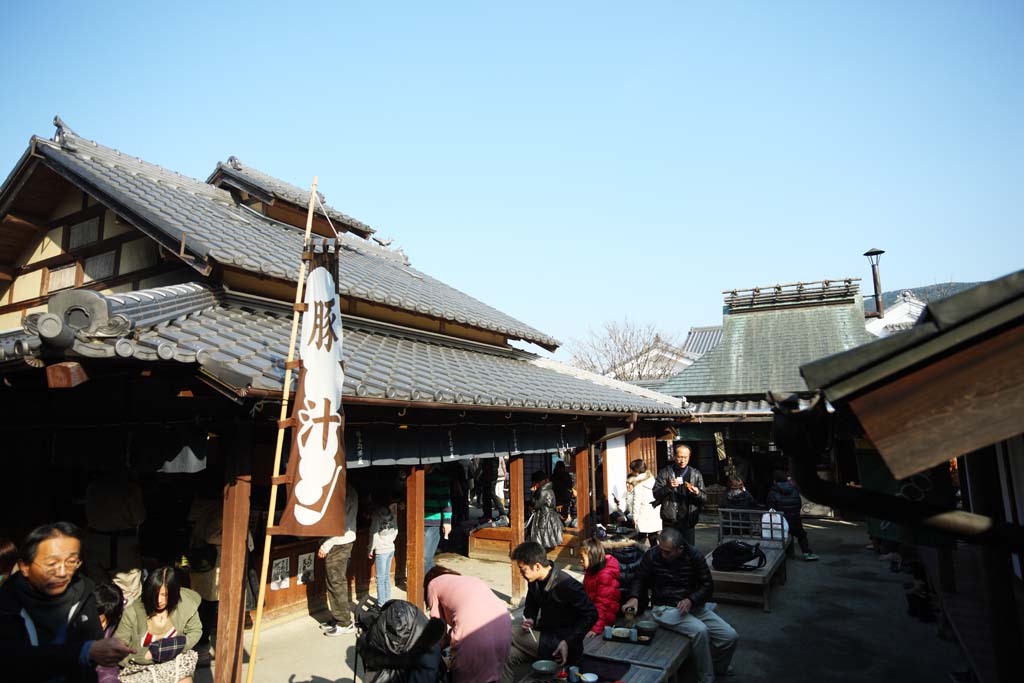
(163, 626)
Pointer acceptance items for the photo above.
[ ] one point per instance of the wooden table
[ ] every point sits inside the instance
(665, 654)
(636, 674)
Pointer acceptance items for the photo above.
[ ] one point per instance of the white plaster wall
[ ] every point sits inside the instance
(616, 459)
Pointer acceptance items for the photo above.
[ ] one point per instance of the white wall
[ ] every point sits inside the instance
(615, 456)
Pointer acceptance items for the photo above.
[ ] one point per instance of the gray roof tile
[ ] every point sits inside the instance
(700, 340)
(168, 205)
(762, 350)
(381, 361)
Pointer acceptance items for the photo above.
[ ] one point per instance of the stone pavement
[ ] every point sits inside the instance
(840, 619)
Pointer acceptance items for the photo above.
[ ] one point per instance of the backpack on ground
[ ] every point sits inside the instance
(733, 556)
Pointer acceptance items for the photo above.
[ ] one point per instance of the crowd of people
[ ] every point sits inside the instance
(58, 623)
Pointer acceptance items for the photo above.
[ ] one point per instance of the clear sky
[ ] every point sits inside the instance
(573, 162)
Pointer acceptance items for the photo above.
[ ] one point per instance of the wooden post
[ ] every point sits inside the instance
(581, 460)
(415, 499)
(234, 550)
(601, 510)
(517, 521)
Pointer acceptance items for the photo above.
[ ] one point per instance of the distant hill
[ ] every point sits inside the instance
(926, 294)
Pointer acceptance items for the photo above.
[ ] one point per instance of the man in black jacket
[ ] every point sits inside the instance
(557, 615)
(679, 491)
(49, 626)
(680, 585)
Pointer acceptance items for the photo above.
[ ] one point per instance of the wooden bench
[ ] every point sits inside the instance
(751, 586)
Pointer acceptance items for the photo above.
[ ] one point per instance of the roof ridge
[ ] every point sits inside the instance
(69, 140)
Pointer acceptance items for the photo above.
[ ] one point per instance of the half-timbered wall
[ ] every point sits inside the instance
(85, 245)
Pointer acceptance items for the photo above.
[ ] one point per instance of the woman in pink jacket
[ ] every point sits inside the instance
(601, 582)
(479, 624)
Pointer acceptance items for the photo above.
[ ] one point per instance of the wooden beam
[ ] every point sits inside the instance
(517, 522)
(234, 551)
(107, 283)
(415, 504)
(6, 274)
(965, 401)
(19, 219)
(65, 375)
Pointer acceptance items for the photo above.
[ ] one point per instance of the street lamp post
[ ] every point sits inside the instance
(873, 257)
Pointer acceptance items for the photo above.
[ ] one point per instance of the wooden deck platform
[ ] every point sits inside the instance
(495, 543)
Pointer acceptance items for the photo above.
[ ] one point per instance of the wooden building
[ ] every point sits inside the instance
(767, 334)
(144, 322)
(948, 390)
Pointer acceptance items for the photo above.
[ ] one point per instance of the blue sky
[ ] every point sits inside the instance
(575, 162)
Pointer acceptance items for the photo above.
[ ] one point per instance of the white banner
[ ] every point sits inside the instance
(319, 416)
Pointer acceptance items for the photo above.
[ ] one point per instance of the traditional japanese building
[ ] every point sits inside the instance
(767, 334)
(144, 326)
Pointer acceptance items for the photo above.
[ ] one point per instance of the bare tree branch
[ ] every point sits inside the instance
(626, 350)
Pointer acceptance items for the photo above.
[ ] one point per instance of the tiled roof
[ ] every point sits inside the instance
(730, 408)
(926, 294)
(247, 176)
(762, 350)
(167, 206)
(243, 342)
(700, 340)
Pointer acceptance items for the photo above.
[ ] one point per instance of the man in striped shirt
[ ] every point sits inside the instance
(437, 509)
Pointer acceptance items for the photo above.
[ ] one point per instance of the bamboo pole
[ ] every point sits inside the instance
(280, 443)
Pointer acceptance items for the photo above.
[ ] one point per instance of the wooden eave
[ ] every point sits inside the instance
(958, 404)
(281, 289)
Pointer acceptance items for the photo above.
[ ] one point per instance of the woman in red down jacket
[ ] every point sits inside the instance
(601, 582)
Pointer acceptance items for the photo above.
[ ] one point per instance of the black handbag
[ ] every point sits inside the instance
(733, 556)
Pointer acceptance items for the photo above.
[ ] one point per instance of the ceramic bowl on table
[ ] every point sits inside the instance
(544, 669)
(588, 678)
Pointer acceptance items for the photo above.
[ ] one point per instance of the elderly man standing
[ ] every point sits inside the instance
(679, 490)
(680, 584)
(557, 615)
(49, 625)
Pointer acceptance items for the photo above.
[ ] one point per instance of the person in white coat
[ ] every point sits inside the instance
(638, 502)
